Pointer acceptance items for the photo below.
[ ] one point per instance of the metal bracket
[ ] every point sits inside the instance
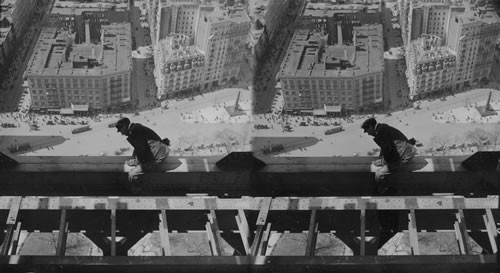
(483, 161)
(6, 162)
(240, 161)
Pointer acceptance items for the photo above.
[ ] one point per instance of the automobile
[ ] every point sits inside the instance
(334, 130)
(303, 123)
(50, 122)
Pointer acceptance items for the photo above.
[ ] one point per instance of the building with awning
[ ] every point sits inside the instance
(319, 112)
(66, 111)
(333, 110)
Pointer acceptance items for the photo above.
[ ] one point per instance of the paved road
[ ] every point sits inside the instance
(393, 81)
(13, 95)
(142, 74)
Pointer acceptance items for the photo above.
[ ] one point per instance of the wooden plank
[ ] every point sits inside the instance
(264, 210)
(211, 239)
(489, 222)
(412, 229)
(164, 237)
(256, 240)
(311, 235)
(216, 232)
(241, 221)
(265, 205)
(62, 235)
(15, 205)
(362, 246)
(462, 228)
(113, 232)
(264, 241)
(15, 240)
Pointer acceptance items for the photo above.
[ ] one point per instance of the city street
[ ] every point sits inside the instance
(413, 123)
(12, 89)
(143, 91)
(394, 80)
(102, 140)
(265, 79)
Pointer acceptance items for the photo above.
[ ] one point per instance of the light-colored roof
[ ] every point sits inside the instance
(76, 8)
(54, 45)
(304, 59)
(425, 53)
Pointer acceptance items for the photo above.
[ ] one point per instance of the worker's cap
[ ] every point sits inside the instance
(122, 123)
(368, 123)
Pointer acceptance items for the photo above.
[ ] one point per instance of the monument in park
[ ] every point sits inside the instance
(486, 110)
(235, 110)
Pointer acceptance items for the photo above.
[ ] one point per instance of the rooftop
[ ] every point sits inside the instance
(427, 49)
(55, 53)
(76, 7)
(309, 54)
(173, 50)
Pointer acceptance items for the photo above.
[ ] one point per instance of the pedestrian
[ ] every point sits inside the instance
(395, 150)
(150, 151)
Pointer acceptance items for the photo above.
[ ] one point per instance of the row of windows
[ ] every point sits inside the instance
(76, 83)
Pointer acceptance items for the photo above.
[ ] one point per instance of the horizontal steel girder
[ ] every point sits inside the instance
(349, 176)
(431, 264)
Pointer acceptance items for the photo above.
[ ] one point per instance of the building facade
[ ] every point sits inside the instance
(181, 67)
(62, 74)
(431, 67)
(473, 36)
(315, 75)
(221, 36)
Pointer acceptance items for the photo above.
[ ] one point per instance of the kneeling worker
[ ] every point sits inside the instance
(395, 149)
(150, 151)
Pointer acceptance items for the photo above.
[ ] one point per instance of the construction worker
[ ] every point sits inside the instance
(150, 151)
(395, 149)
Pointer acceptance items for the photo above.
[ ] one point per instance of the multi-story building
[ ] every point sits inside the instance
(429, 17)
(221, 35)
(173, 16)
(431, 67)
(180, 66)
(63, 74)
(322, 70)
(472, 35)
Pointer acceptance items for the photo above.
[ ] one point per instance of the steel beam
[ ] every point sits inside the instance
(14, 205)
(311, 234)
(253, 203)
(412, 229)
(164, 237)
(369, 264)
(62, 236)
(76, 176)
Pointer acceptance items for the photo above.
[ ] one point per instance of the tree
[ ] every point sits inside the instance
(479, 138)
(440, 142)
(228, 138)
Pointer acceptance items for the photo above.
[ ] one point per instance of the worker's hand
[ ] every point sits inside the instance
(378, 162)
(132, 162)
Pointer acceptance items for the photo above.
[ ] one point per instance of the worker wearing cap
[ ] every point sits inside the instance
(395, 148)
(149, 149)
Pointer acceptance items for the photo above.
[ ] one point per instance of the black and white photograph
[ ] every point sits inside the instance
(297, 136)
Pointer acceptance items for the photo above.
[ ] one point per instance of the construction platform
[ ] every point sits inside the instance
(115, 224)
(240, 200)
